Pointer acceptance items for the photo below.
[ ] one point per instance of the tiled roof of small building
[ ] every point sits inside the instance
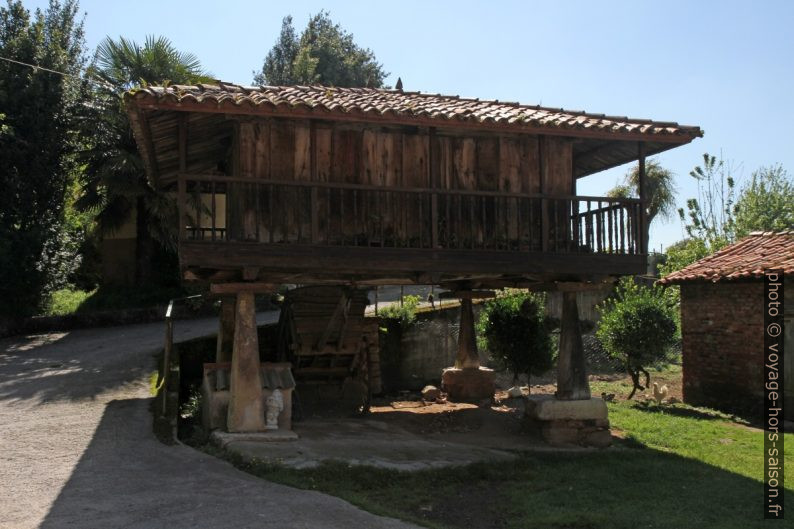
(745, 259)
(367, 103)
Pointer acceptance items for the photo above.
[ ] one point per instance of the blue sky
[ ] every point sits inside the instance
(726, 66)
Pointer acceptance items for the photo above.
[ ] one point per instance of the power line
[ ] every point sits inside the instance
(63, 74)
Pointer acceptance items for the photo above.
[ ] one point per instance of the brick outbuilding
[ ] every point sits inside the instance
(722, 322)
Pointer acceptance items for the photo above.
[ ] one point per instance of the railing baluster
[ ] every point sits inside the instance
(380, 218)
(421, 222)
(212, 190)
(472, 235)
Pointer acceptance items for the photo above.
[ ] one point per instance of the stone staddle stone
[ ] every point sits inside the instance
(548, 408)
(569, 422)
(468, 384)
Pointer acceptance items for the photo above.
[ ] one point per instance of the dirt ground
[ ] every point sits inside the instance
(500, 424)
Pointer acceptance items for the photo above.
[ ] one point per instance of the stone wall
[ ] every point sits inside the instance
(413, 357)
(723, 343)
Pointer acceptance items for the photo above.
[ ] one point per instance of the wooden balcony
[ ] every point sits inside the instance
(322, 231)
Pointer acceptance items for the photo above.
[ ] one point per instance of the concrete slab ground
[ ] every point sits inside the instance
(407, 435)
(364, 442)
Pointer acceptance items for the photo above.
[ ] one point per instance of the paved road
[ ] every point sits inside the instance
(76, 448)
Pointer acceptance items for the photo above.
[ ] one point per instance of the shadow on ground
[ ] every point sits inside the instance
(125, 478)
(71, 365)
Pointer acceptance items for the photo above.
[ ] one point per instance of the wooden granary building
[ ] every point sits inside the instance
(358, 186)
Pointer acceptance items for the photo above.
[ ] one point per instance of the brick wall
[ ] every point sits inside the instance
(723, 341)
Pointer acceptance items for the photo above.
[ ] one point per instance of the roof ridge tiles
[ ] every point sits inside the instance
(417, 104)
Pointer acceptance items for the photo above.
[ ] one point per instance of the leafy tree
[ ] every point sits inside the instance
(710, 216)
(683, 253)
(659, 188)
(277, 69)
(766, 203)
(115, 185)
(637, 327)
(36, 146)
(323, 54)
(513, 329)
(404, 311)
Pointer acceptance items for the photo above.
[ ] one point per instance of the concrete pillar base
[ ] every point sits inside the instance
(468, 384)
(569, 422)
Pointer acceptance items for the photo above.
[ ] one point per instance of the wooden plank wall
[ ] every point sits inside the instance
(281, 149)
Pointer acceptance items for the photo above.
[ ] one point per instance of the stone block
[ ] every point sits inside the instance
(431, 393)
(548, 408)
(601, 438)
(468, 384)
(556, 434)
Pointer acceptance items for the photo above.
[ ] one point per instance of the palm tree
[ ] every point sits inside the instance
(659, 189)
(114, 181)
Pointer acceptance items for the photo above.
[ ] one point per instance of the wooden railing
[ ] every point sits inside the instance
(320, 213)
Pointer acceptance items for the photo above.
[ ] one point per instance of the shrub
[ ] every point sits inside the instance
(405, 311)
(637, 327)
(512, 328)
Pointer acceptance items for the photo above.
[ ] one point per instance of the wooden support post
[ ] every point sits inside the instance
(246, 412)
(181, 184)
(467, 342)
(643, 227)
(572, 381)
(544, 204)
(433, 172)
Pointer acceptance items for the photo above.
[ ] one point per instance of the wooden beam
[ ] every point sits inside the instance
(146, 132)
(182, 192)
(468, 294)
(348, 261)
(570, 286)
(236, 288)
(643, 229)
(250, 273)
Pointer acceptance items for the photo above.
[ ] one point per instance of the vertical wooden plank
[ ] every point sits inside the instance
(544, 188)
(181, 184)
(303, 158)
(313, 206)
(643, 220)
(432, 164)
(465, 164)
(370, 166)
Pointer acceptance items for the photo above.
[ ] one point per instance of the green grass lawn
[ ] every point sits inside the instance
(678, 467)
(70, 301)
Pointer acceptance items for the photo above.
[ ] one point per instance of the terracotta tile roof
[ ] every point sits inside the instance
(747, 258)
(368, 103)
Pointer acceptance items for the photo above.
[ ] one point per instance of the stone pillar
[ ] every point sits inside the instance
(225, 342)
(467, 381)
(246, 412)
(572, 381)
(467, 341)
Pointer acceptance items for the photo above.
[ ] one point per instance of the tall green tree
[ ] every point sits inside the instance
(513, 329)
(659, 188)
(766, 202)
(36, 146)
(637, 327)
(710, 216)
(323, 54)
(115, 185)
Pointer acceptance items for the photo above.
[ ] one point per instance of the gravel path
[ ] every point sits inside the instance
(76, 448)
